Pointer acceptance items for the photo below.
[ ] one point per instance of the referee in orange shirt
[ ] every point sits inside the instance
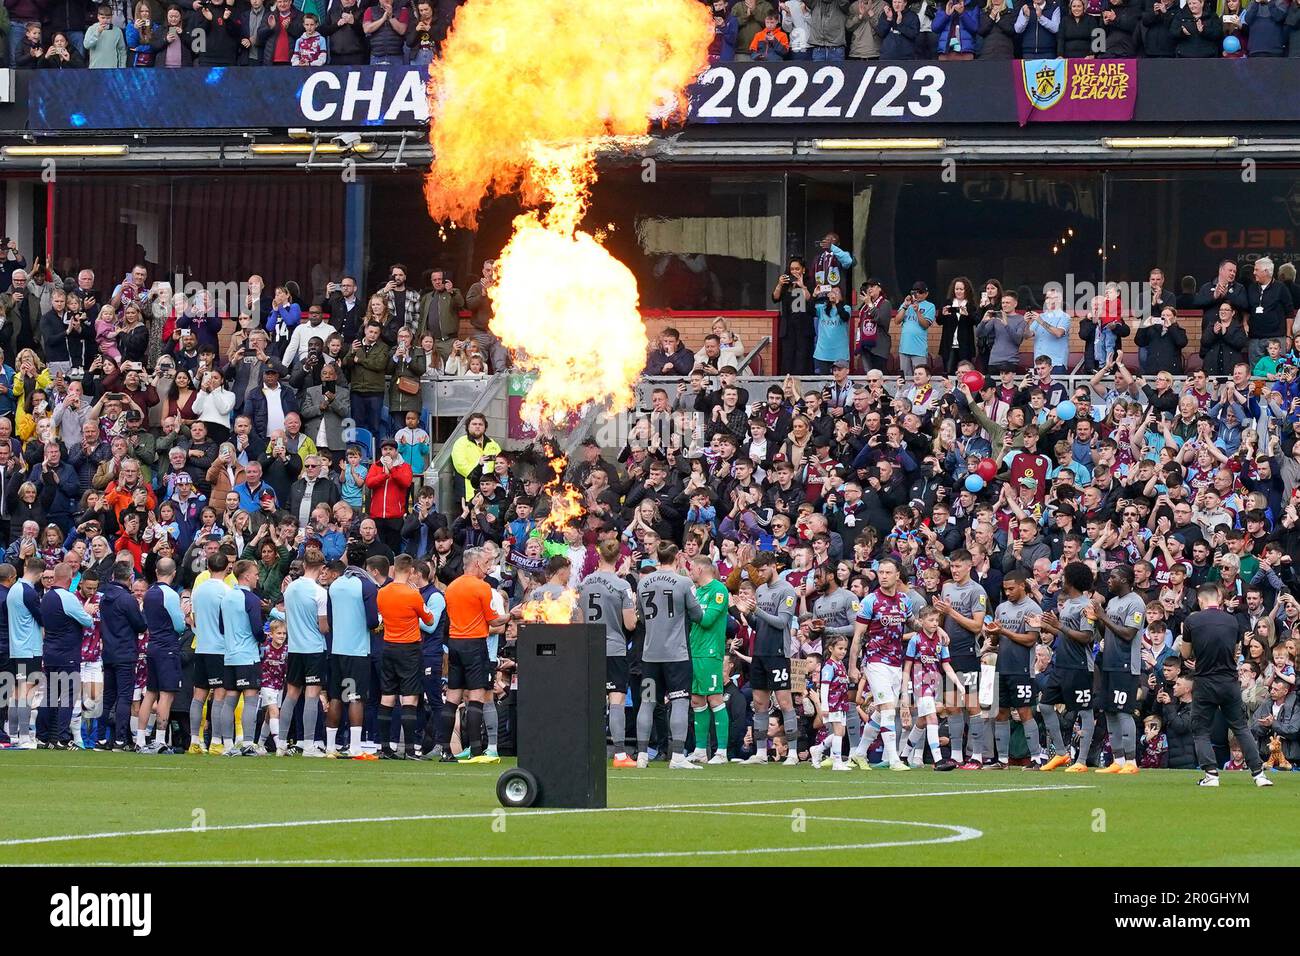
(401, 609)
(469, 621)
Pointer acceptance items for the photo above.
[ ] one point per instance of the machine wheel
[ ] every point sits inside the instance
(517, 788)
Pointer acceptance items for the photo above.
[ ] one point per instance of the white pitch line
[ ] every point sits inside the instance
(261, 768)
(956, 834)
(415, 775)
(519, 814)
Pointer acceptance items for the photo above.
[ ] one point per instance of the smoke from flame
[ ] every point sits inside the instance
(521, 98)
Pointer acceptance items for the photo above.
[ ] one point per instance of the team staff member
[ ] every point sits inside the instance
(166, 623)
(120, 626)
(306, 616)
(241, 626)
(209, 653)
(402, 609)
(64, 620)
(26, 638)
(469, 618)
(351, 619)
(1210, 640)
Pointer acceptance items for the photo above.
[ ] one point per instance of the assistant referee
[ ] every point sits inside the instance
(1210, 642)
(470, 619)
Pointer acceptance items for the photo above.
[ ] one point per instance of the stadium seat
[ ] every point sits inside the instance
(362, 437)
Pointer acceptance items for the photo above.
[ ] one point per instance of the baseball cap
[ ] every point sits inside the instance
(1029, 482)
(387, 443)
(840, 364)
(920, 287)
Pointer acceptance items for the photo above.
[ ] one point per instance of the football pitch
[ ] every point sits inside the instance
(89, 809)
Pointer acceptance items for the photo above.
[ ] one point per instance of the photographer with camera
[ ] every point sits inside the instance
(54, 327)
(19, 315)
(480, 307)
(367, 364)
(11, 261)
(316, 327)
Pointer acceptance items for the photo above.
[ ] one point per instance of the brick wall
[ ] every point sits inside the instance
(1190, 321)
(693, 326)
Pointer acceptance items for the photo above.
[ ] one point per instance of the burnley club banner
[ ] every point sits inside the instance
(1075, 91)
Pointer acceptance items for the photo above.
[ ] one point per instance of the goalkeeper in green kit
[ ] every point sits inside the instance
(708, 642)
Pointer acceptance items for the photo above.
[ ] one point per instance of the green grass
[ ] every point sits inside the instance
(817, 817)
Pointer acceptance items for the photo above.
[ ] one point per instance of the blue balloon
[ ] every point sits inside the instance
(1066, 411)
(974, 483)
(1231, 44)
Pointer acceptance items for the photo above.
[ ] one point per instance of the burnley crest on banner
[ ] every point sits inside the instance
(1044, 82)
(1078, 91)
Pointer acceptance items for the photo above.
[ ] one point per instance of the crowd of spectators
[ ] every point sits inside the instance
(1141, 326)
(994, 30)
(68, 34)
(137, 426)
(1184, 485)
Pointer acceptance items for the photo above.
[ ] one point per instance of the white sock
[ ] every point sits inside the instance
(837, 748)
(275, 730)
(890, 740)
(135, 725)
(932, 737)
(1119, 761)
(330, 734)
(139, 737)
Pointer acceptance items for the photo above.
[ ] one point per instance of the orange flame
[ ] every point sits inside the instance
(521, 98)
(551, 610)
(566, 500)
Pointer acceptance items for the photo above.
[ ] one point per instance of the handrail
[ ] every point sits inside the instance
(440, 471)
(762, 343)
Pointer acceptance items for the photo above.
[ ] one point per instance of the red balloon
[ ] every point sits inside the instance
(987, 467)
(973, 380)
